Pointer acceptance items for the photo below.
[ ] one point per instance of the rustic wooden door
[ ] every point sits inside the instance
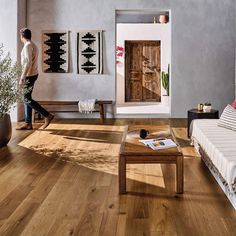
(142, 71)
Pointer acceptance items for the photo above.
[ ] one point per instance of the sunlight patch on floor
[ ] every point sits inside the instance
(92, 146)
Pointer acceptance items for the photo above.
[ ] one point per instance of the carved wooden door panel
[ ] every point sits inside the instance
(133, 72)
(142, 71)
(151, 71)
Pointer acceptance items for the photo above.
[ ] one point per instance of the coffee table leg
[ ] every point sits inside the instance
(179, 174)
(122, 175)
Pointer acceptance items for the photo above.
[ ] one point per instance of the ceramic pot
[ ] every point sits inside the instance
(5, 130)
(163, 19)
(206, 108)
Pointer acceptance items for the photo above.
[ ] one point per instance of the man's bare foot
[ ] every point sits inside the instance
(47, 121)
(26, 126)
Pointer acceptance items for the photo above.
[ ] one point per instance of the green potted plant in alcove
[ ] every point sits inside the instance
(165, 84)
(9, 94)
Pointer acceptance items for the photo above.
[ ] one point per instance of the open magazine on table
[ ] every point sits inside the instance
(157, 144)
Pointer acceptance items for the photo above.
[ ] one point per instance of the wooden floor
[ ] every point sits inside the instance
(46, 196)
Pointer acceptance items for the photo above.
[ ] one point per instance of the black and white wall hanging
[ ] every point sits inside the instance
(55, 52)
(90, 52)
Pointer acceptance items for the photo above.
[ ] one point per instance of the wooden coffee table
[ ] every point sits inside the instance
(134, 152)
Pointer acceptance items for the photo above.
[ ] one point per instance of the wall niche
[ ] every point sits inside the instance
(143, 52)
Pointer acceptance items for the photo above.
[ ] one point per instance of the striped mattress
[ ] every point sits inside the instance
(220, 146)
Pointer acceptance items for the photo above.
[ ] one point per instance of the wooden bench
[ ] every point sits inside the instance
(65, 105)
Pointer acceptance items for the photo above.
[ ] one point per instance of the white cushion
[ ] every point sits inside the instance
(219, 144)
(228, 118)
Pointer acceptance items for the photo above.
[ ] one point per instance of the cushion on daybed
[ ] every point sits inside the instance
(228, 118)
(219, 144)
(234, 104)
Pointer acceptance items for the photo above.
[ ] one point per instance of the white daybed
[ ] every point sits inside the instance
(217, 147)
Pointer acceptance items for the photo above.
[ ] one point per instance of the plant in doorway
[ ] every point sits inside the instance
(165, 85)
(9, 94)
(119, 54)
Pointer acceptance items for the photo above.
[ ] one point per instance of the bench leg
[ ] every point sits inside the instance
(33, 116)
(122, 175)
(102, 112)
(179, 174)
(39, 116)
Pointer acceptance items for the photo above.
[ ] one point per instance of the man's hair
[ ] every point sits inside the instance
(25, 33)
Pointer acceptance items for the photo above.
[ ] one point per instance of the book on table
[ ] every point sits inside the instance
(157, 144)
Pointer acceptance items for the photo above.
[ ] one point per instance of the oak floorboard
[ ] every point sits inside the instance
(112, 213)
(72, 205)
(46, 213)
(22, 216)
(11, 175)
(95, 207)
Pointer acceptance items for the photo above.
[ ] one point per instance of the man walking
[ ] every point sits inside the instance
(29, 63)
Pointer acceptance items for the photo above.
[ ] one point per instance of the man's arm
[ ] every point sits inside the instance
(27, 62)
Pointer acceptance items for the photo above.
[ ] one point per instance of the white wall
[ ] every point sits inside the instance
(21, 23)
(8, 28)
(141, 32)
(12, 18)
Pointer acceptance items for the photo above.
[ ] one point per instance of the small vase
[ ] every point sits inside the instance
(163, 19)
(5, 130)
(154, 19)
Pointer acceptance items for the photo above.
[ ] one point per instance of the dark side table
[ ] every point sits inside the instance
(195, 114)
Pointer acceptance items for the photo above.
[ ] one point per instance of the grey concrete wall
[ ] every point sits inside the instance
(203, 55)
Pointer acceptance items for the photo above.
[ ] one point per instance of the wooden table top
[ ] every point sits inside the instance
(131, 146)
